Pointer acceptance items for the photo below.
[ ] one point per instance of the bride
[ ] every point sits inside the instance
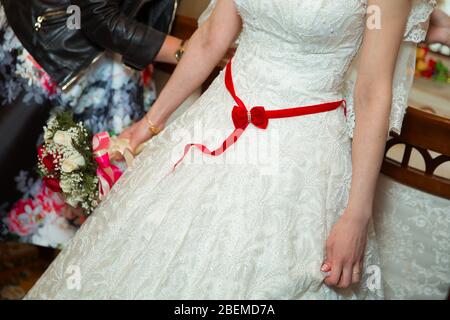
(282, 209)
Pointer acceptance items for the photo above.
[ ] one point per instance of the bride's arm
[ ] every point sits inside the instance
(205, 49)
(373, 99)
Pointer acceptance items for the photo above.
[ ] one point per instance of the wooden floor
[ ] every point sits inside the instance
(21, 265)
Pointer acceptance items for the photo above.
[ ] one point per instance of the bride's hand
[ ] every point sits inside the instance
(345, 250)
(137, 134)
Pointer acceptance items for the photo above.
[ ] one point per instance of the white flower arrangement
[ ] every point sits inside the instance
(66, 162)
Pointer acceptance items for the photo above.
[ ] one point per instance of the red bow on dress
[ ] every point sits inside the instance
(256, 116)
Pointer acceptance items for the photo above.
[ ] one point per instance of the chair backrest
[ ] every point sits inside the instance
(424, 132)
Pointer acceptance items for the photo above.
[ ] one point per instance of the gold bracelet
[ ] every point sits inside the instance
(179, 53)
(152, 127)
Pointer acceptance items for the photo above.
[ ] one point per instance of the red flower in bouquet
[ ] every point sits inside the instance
(47, 159)
(52, 184)
(22, 218)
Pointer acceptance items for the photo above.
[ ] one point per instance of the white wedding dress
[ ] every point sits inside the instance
(251, 223)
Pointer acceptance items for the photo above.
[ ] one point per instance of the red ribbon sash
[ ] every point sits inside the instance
(258, 116)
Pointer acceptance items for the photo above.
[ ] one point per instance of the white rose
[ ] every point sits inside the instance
(73, 162)
(63, 138)
(47, 135)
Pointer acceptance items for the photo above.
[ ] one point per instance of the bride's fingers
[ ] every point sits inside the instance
(333, 279)
(357, 272)
(346, 277)
(326, 267)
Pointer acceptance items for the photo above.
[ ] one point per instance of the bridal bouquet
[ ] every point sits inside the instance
(76, 164)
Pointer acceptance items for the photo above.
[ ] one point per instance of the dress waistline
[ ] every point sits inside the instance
(258, 116)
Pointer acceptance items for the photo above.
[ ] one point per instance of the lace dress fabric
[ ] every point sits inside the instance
(412, 232)
(415, 32)
(252, 223)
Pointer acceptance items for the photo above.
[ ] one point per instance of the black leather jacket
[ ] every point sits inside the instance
(136, 29)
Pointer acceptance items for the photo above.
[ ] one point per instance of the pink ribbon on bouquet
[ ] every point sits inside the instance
(107, 173)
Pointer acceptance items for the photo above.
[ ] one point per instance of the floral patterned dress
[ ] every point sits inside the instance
(109, 97)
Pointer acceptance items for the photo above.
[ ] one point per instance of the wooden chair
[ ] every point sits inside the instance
(424, 132)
